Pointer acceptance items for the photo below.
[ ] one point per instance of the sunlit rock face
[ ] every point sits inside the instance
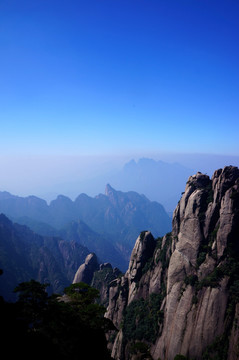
(86, 271)
(193, 273)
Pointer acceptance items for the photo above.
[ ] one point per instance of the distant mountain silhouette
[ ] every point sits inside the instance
(158, 180)
(122, 215)
(106, 224)
(97, 243)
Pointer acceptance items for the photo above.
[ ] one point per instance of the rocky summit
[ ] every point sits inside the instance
(180, 294)
(86, 271)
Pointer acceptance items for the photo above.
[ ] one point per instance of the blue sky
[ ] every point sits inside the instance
(119, 77)
(100, 76)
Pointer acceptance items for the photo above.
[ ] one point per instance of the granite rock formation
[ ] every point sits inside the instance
(99, 276)
(86, 271)
(180, 294)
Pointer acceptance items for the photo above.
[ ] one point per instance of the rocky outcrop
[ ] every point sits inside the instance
(102, 279)
(99, 276)
(180, 294)
(123, 290)
(86, 271)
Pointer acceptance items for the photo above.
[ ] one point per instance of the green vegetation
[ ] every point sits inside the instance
(142, 319)
(163, 254)
(209, 193)
(207, 189)
(213, 235)
(180, 357)
(101, 280)
(100, 276)
(234, 195)
(218, 350)
(201, 257)
(39, 326)
(141, 349)
(213, 279)
(148, 266)
(228, 266)
(191, 280)
(206, 246)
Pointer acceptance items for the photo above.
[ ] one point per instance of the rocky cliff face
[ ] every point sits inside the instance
(99, 276)
(86, 271)
(180, 294)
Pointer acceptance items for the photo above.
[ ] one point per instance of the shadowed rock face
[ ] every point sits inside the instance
(193, 274)
(86, 271)
(25, 255)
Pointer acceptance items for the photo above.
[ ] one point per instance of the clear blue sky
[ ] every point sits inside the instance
(83, 80)
(119, 76)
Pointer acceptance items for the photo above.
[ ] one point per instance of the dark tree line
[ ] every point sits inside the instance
(40, 326)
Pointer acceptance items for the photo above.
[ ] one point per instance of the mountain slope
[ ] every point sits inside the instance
(180, 294)
(25, 255)
(101, 245)
(122, 216)
(113, 220)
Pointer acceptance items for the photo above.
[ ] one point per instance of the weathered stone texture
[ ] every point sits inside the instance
(205, 222)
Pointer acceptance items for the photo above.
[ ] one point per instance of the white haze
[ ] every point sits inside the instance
(49, 176)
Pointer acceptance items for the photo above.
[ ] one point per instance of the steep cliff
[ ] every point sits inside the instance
(180, 294)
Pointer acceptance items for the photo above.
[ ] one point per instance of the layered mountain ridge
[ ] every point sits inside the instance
(25, 255)
(106, 224)
(180, 294)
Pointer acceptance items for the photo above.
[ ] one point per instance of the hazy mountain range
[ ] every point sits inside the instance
(161, 179)
(158, 180)
(180, 294)
(25, 255)
(65, 231)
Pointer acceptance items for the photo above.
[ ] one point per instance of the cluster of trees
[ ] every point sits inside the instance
(40, 326)
(142, 319)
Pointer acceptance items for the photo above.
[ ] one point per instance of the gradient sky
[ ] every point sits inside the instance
(118, 77)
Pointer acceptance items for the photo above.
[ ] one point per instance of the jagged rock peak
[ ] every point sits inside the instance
(86, 271)
(199, 180)
(63, 199)
(142, 251)
(226, 177)
(91, 259)
(4, 220)
(109, 191)
(223, 179)
(206, 206)
(192, 273)
(105, 266)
